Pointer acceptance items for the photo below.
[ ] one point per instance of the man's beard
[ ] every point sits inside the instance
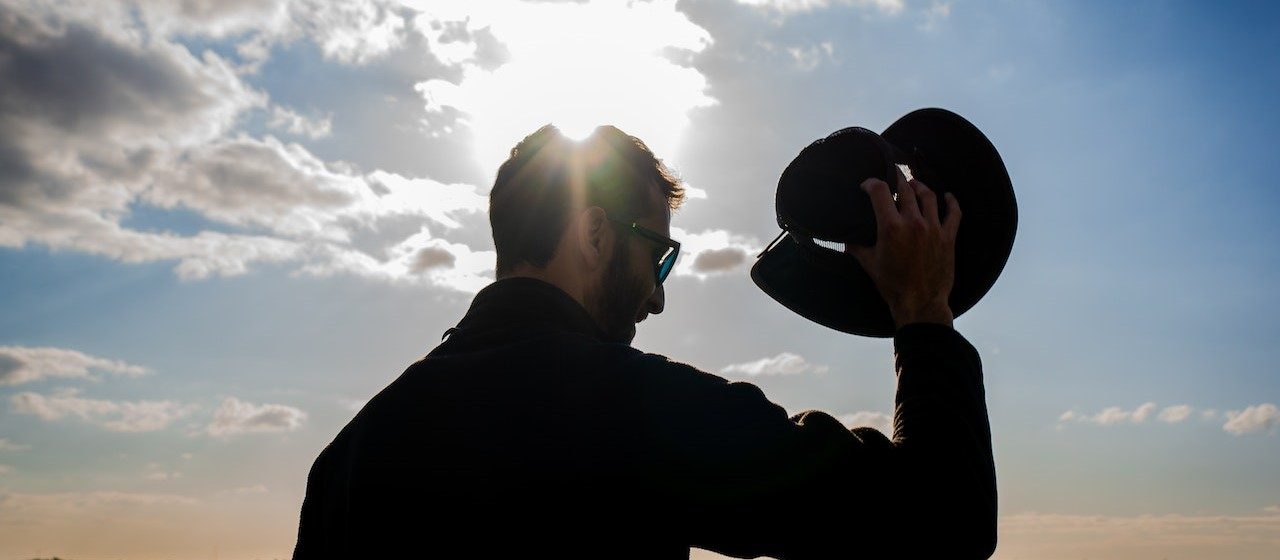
(618, 300)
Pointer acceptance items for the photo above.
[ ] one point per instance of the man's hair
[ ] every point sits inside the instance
(548, 173)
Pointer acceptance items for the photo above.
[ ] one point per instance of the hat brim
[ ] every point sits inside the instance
(946, 153)
(824, 286)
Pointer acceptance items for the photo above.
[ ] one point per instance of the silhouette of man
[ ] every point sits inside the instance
(535, 429)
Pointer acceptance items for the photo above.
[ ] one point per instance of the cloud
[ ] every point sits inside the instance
(635, 74)
(712, 252)
(116, 416)
(1258, 418)
(23, 364)
(103, 115)
(235, 416)
(351, 31)
(419, 258)
(809, 57)
(882, 422)
(246, 490)
(1253, 419)
(5, 469)
(157, 471)
(934, 14)
(784, 363)
(1175, 414)
(288, 120)
(6, 445)
(799, 6)
(1112, 415)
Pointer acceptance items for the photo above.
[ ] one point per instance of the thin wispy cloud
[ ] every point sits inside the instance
(113, 415)
(881, 421)
(1262, 418)
(25, 364)
(1112, 415)
(7, 445)
(288, 120)
(785, 363)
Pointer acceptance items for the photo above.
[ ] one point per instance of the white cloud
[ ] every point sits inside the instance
(934, 14)
(1175, 414)
(1258, 418)
(809, 57)
(1112, 415)
(784, 363)
(798, 6)
(290, 121)
(6, 445)
(245, 490)
(631, 76)
(235, 416)
(1144, 411)
(419, 258)
(713, 251)
(116, 416)
(157, 471)
(879, 420)
(23, 364)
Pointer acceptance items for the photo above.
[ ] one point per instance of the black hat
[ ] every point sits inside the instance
(821, 207)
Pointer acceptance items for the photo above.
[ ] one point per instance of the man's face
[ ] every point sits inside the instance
(628, 290)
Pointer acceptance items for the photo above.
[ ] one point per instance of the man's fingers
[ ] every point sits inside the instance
(908, 205)
(881, 200)
(952, 223)
(928, 202)
(860, 253)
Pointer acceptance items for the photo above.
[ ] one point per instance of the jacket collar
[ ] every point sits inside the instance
(524, 301)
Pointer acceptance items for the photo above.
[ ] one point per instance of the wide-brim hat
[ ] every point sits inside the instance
(821, 207)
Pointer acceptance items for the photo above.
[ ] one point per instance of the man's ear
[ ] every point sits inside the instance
(593, 237)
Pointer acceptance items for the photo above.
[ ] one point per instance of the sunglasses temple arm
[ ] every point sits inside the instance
(771, 243)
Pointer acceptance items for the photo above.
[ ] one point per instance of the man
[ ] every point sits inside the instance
(536, 430)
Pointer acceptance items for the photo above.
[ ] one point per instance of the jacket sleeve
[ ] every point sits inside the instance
(311, 519)
(745, 479)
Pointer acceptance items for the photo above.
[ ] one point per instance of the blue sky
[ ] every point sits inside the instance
(209, 222)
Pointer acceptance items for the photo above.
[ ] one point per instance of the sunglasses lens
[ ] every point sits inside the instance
(664, 267)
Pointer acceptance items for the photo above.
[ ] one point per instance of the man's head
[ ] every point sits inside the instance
(556, 208)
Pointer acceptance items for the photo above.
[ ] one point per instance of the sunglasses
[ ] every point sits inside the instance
(664, 261)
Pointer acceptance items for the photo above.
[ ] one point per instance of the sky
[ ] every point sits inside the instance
(224, 225)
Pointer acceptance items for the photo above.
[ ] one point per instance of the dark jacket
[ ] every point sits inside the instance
(524, 436)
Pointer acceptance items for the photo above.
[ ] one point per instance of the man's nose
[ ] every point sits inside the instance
(656, 301)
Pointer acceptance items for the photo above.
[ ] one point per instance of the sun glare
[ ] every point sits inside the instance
(577, 66)
(575, 130)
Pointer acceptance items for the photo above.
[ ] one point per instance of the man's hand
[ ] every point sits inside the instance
(913, 260)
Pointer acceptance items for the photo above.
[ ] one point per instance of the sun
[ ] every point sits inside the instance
(578, 66)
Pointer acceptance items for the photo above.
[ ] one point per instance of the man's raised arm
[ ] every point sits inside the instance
(746, 480)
